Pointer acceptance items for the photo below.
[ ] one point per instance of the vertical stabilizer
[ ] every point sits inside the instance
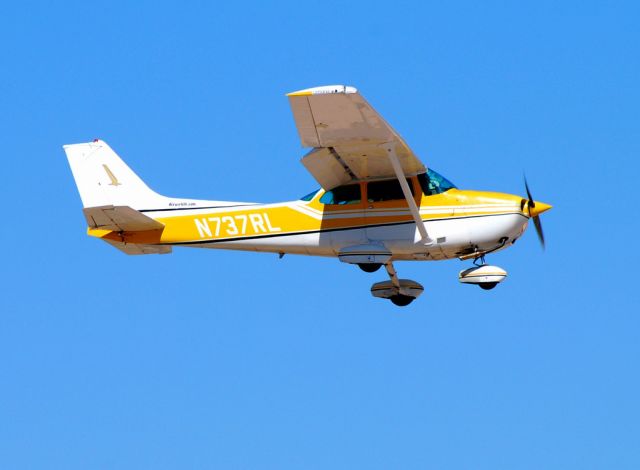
(104, 179)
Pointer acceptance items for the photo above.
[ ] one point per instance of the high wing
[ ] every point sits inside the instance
(349, 137)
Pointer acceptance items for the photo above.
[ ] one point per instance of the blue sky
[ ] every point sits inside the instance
(213, 359)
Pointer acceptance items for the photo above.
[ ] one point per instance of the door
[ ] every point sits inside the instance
(389, 220)
(343, 217)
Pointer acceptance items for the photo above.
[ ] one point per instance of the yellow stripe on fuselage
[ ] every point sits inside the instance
(236, 223)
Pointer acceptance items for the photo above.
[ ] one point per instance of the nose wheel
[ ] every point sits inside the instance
(400, 292)
(401, 300)
(483, 275)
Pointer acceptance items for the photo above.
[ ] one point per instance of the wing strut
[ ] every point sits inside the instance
(390, 147)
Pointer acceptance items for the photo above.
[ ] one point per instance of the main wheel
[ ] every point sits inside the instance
(369, 267)
(488, 285)
(401, 300)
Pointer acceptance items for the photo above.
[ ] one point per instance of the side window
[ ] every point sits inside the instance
(342, 195)
(389, 190)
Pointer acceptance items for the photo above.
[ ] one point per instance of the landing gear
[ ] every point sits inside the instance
(400, 292)
(370, 267)
(401, 300)
(487, 285)
(483, 275)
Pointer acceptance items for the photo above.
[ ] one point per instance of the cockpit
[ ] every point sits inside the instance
(430, 183)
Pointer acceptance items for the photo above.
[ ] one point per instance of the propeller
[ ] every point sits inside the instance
(535, 209)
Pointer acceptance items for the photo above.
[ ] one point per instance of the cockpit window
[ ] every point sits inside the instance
(309, 196)
(349, 194)
(433, 182)
(389, 190)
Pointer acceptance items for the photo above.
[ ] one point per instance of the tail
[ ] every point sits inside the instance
(111, 192)
(114, 199)
(104, 179)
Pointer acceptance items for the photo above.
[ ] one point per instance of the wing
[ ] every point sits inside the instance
(347, 135)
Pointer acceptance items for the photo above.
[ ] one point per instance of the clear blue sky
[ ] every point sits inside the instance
(213, 359)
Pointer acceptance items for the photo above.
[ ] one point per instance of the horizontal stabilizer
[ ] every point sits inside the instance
(119, 219)
(139, 249)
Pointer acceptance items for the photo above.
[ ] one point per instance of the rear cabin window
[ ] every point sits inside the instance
(389, 190)
(342, 195)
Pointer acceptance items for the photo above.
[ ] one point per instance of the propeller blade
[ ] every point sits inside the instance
(538, 225)
(531, 204)
(526, 186)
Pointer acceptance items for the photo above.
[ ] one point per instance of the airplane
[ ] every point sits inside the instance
(378, 203)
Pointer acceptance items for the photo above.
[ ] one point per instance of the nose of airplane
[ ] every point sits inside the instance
(538, 208)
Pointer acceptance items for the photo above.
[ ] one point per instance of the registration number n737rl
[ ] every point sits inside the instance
(233, 225)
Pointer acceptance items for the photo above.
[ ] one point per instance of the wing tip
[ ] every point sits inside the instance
(324, 90)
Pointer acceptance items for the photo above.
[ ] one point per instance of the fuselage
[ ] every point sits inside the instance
(460, 223)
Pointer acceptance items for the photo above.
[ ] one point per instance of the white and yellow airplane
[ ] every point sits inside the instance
(378, 203)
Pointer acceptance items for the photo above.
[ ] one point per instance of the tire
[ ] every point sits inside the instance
(401, 300)
(488, 285)
(369, 267)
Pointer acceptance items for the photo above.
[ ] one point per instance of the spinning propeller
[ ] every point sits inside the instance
(535, 209)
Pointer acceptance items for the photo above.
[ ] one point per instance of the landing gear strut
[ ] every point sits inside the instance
(400, 292)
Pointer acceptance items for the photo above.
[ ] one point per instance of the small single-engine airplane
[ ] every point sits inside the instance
(378, 203)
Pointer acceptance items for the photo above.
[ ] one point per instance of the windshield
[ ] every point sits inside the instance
(309, 196)
(433, 182)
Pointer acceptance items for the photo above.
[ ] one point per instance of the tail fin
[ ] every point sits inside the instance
(111, 192)
(104, 179)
